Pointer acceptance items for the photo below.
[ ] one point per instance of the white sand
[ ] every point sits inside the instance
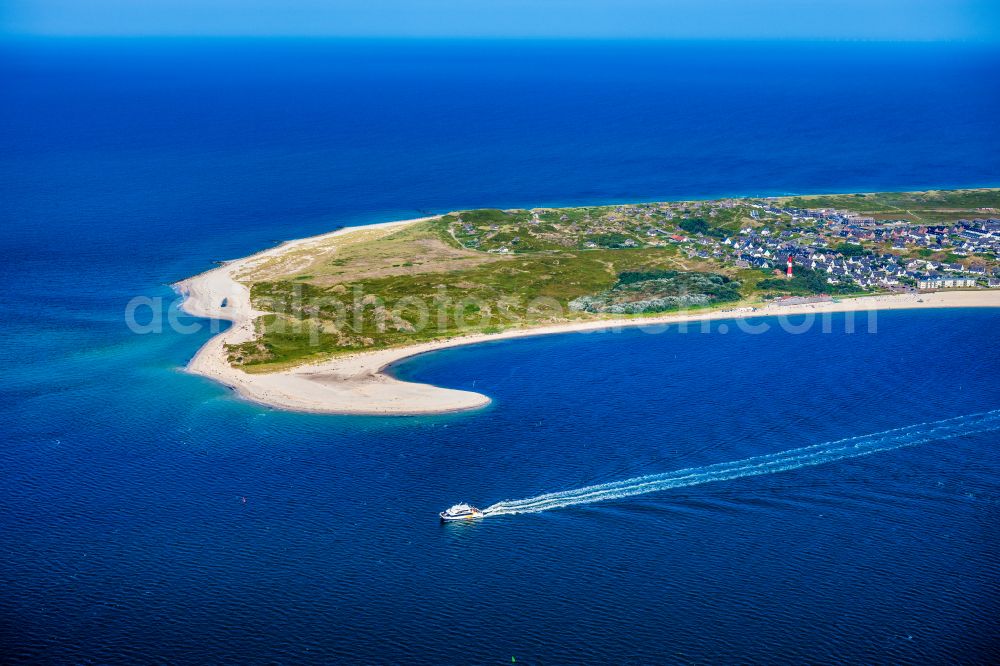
(356, 384)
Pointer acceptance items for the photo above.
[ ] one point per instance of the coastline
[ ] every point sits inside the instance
(358, 383)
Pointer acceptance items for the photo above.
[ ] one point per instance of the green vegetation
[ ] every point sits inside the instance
(449, 295)
(639, 292)
(851, 250)
(612, 240)
(490, 270)
(806, 282)
(930, 207)
(698, 225)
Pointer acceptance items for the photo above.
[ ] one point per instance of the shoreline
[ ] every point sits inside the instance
(358, 383)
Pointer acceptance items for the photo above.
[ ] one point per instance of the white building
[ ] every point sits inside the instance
(945, 282)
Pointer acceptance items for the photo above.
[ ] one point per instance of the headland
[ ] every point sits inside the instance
(317, 321)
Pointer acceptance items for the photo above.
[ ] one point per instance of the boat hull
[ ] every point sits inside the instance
(445, 518)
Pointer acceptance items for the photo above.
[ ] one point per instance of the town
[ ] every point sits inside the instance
(849, 248)
(957, 248)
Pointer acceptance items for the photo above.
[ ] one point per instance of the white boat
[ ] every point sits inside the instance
(461, 512)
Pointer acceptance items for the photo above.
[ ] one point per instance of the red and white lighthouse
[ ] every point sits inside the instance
(789, 274)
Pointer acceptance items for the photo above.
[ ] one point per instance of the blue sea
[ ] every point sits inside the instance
(124, 535)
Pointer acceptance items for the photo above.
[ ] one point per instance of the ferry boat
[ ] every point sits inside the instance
(461, 512)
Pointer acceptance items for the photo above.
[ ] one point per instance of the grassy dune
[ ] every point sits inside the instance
(927, 207)
(490, 270)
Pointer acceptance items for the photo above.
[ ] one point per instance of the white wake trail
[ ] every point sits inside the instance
(816, 454)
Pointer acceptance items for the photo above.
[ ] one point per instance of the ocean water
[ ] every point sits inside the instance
(124, 537)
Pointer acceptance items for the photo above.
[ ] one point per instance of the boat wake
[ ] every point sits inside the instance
(816, 454)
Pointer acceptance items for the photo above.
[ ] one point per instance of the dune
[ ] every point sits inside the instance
(358, 383)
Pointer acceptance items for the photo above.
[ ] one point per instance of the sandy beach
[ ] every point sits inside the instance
(357, 384)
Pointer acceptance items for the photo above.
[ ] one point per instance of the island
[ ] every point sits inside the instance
(316, 321)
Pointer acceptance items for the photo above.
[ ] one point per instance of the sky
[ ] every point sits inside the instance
(882, 20)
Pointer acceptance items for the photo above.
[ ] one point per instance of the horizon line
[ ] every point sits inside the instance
(489, 38)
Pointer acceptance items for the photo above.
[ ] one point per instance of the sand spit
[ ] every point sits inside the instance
(357, 384)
